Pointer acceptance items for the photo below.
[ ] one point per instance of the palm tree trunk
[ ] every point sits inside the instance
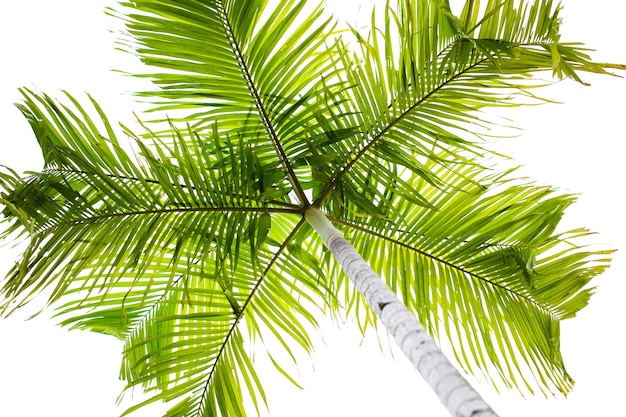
(453, 390)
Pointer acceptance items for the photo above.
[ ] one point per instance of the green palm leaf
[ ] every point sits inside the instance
(188, 241)
(160, 252)
(432, 78)
(482, 243)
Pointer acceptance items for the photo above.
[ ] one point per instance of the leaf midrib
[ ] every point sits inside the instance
(238, 318)
(293, 179)
(225, 209)
(464, 271)
(341, 171)
(278, 203)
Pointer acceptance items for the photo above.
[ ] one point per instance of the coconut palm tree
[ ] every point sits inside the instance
(278, 153)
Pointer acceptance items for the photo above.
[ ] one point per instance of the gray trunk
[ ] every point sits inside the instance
(456, 394)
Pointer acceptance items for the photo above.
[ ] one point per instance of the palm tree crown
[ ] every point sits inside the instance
(190, 240)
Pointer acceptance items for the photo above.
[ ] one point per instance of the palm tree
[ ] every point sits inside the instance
(200, 239)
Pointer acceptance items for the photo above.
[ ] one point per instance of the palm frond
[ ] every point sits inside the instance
(188, 240)
(168, 250)
(228, 58)
(435, 72)
(486, 269)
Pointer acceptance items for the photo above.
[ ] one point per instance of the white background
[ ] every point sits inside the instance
(578, 146)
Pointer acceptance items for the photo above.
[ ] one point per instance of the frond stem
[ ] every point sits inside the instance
(437, 259)
(341, 171)
(293, 179)
(239, 316)
(153, 181)
(46, 229)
